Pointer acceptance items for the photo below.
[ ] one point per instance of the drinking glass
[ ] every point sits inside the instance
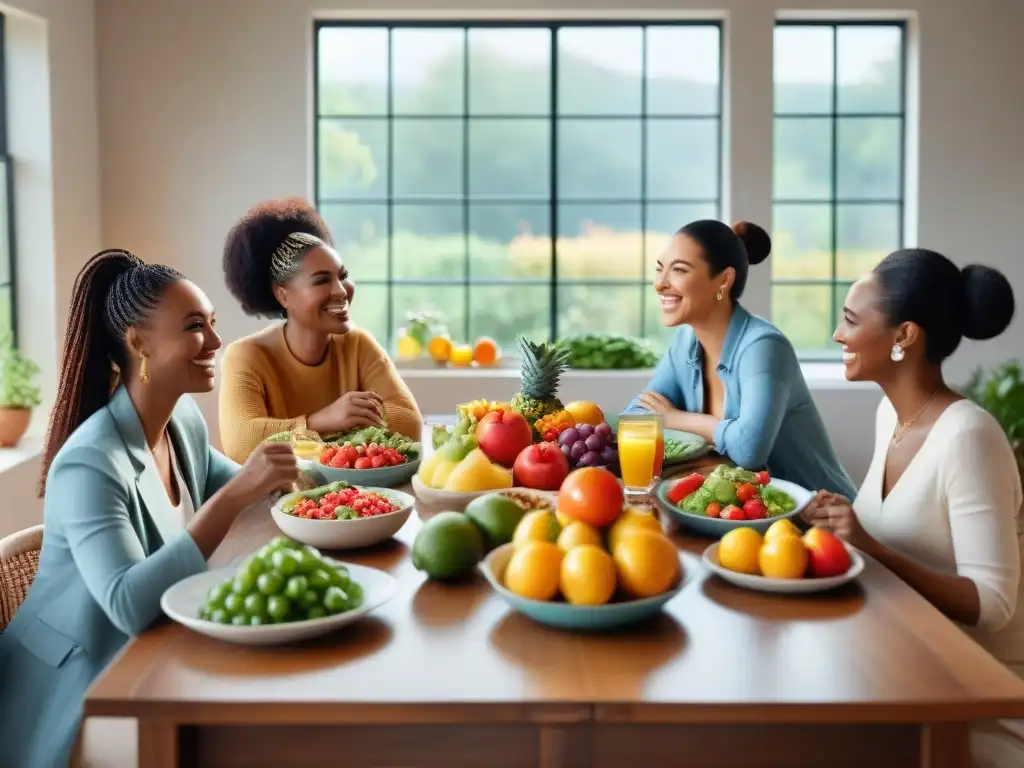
(641, 451)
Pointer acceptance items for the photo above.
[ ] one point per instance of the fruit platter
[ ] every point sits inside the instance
(340, 515)
(284, 592)
(729, 497)
(784, 561)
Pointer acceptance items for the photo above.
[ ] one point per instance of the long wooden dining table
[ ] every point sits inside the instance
(446, 674)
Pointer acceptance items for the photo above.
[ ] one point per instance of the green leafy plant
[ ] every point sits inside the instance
(18, 389)
(1001, 393)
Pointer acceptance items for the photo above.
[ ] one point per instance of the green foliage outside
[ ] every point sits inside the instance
(18, 388)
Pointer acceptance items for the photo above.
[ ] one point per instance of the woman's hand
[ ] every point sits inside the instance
(657, 403)
(836, 514)
(271, 467)
(353, 410)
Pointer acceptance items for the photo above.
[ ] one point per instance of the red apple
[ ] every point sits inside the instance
(502, 435)
(542, 466)
(829, 557)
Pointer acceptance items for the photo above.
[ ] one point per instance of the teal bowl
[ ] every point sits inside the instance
(715, 527)
(562, 615)
(382, 477)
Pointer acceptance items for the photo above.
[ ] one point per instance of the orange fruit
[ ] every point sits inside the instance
(591, 495)
(537, 525)
(535, 570)
(631, 519)
(784, 557)
(585, 412)
(738, 550)
(647, 563)
(439, 348)
(577, 534)
(587, 575)
(486, 351)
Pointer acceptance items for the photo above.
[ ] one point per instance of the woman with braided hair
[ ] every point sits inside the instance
(135, 499)
(315, 371)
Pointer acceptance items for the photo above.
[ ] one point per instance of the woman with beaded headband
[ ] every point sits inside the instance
(135, 499)
(315, 371)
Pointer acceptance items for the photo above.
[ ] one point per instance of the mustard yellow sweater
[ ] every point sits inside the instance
(265, 389)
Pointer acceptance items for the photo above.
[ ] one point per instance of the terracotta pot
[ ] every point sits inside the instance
(13, 423)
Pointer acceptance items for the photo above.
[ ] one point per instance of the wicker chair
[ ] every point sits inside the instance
(19, 560)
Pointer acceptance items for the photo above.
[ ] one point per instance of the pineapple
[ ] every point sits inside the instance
(542, 366)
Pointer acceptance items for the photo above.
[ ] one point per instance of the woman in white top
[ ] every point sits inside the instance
(940, 501)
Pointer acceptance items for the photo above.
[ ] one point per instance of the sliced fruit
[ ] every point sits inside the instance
(588, 575)
(738, 550)
(784, 557)
(534, 570)
(647, 563)
(477, 473)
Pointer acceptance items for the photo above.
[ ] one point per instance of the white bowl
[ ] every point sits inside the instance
(446, 501)
(801, 586)
(345, 534)
(181, 603)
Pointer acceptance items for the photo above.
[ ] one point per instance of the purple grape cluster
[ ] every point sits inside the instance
(588, 446)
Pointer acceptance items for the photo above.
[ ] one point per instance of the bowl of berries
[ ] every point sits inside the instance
(375, 464)
(340, 515)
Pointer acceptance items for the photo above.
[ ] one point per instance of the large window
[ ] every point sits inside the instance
(8, 299)
(520, 178)
(839, 168)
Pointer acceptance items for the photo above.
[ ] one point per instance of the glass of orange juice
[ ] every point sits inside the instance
(641, 451)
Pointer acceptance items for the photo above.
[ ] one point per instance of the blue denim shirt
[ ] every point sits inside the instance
(770, 419)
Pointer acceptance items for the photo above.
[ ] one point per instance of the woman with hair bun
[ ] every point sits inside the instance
(315, 371)
(940, 501)
(730, 376)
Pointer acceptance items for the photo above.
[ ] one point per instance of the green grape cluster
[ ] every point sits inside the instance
(285, 581)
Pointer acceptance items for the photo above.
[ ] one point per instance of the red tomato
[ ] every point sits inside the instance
(364, 462)
(714, 509)
(763, 478)
(732, 512)
(754, 509)
(377, 462)
(746, 492)
(685, 487)
(591, 495)
(542, 466)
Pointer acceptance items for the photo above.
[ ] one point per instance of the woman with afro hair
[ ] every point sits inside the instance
(315, 371)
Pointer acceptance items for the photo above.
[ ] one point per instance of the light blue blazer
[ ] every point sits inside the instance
(109, 552)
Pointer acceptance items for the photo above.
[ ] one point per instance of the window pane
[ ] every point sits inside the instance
(802, 242)
(370, 311)
(599, 159)
(803, 69)
(429, 242)
(866, 234)
(804, 314)
(682, 158)
(505, 311)
(599, 70)
(361, 235)
(868, 158)
(446, 300)
(428, 71)
(509, 158)
(599, 242)
(683, 70)
(869, 67)
(510, 241)
(664, 220)
(427, 157)
(353, 158)
(509, 71)
(352, 71)
(599, 309)
(803, 158)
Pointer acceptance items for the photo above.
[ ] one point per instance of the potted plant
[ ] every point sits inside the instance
(19, 393)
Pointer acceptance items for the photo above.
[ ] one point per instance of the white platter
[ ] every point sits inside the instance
(785, 586)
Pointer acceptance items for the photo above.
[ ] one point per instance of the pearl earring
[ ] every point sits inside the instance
(897, 353)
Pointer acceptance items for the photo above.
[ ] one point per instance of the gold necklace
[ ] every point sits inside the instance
(902, 430)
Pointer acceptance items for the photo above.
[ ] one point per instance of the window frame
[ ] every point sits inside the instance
(833, 201)
(553, 282)
(11, 284)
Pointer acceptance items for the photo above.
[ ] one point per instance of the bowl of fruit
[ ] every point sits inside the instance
(342, 516)
(282, 593)
(729, 497)
(784, 561)
(607, 566)
(373, 456)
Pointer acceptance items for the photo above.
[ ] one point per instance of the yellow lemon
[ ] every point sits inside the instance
(784, 557)
(781, 528)
(647, 563)
(538, 525)
(439, 348)
(577, 534)
(631, 519)
(587, 575)
(461, 355)
(738, 550)
(534, 571)
(409, 348)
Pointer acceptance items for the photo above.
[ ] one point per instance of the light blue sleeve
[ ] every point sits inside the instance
(764, 371)
(219, 471)
(665, 382)
(86, 497)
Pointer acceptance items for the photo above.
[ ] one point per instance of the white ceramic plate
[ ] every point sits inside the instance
(785, 586)
(181, 603)
(345, 534)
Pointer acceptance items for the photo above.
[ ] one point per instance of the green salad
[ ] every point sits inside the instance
(732, 493)
(384, 438)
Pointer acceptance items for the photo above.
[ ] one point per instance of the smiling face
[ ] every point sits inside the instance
(320, 294)
(685, 286)
(179, 340)
(867, 336)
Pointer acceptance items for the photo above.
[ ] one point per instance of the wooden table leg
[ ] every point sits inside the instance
(159, 744)
(945, 745)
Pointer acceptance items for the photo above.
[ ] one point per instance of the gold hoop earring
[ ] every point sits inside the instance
(144, 370)
(718, 295)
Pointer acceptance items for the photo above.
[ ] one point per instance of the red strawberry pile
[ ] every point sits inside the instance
(347, 504)
(370, 456)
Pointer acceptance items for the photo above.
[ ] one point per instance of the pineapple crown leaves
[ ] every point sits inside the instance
(542, 367)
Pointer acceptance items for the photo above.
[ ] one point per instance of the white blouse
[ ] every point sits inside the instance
(185, 509)
(955, 508)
